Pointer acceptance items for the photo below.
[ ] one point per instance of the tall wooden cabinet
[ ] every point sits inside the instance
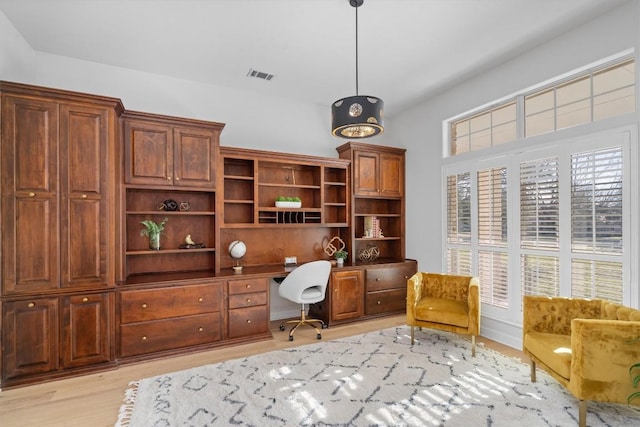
(58, 151)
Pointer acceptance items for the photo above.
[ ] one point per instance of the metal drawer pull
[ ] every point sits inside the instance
(85, 299)
(248, 300)
(31, 305)
(144, 338)
(200, 299)
(32, 194)
(248, 285)
(249, 321)
(379, 303)
(144, 305)
(200, 329)
(84, 196)
(377, 279)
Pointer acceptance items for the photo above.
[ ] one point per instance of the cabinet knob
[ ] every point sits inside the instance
(248, 286)
(85, 299)
(168, 178)
(200, 299)
(200, 329)
(144, 338)
(84, 196)
(144, 306)
(32, 194)
(248, 300)
(377, 279)
(248, 320)
(177, 178)
(31, 305)
(378, 303)
(406, 277)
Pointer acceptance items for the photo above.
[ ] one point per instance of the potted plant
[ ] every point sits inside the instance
(634, 372)
(288, 202)
(340, 255)
(153, 231)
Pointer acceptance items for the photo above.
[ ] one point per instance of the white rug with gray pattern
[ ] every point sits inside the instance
(375, 379)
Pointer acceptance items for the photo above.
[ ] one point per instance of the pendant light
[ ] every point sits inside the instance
(358, 116)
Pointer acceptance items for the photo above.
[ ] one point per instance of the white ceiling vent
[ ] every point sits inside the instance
(259, 74)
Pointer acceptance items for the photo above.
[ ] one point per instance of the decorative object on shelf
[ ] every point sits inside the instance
(185, 206)
(288, 202)
(168, 205)
(153, 231)
(372, 227)
(368, 254)
(190, 244)
(340, 257)
(357, 116)
(237, 249)
(332, 250)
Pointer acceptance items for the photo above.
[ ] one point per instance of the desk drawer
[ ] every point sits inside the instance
(166, 334)
(248, 321)
(386, 301)
(160, 303)
(395, 277)
(246, 286)
(247, 300)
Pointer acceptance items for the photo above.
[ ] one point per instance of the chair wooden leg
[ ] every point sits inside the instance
(582, 415)
(533, 371)
(412, 327)
(473, 346)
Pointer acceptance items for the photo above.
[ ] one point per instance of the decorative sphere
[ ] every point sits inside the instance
(237, 249)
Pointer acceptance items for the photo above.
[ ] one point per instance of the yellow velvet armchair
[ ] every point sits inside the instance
(446, 302)
(588, 346)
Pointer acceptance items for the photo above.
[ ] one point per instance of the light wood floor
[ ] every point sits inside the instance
(94, 400)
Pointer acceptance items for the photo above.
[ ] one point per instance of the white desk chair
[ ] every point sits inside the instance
(307, 284)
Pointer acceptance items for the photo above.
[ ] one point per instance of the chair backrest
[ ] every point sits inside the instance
(312, 275)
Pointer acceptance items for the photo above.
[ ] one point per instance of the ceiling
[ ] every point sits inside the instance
(408, 49)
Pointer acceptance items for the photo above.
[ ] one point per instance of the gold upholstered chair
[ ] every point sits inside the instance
(446, 302)
(590, 346)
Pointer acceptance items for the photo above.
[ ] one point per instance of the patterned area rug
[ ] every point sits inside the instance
(375, 379)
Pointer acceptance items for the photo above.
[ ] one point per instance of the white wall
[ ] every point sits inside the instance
(16, 56)
(420, 128)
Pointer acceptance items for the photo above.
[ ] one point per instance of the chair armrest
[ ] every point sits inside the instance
(414, 288)
(602, 352)
(473, 301)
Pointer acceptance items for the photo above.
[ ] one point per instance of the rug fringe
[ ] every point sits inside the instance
(126, 410)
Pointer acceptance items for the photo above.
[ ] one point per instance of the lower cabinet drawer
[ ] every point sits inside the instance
(386, 301)
(248, 321)
(247, 300)
(378, 279)
(166, 334)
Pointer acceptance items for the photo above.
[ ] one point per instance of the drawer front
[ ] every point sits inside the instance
(248, 321)
(247, 300)
(152, 304)
(166, 334)
(386, 301)
(395, 277)
(247, 286)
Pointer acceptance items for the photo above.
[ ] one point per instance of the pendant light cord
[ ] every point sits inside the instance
(357, 51)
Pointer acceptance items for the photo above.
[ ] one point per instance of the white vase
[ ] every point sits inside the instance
(339, 262)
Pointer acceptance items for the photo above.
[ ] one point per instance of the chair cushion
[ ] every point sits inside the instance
(445, 311)
(554, 350)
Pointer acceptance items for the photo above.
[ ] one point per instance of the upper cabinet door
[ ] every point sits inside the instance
(84, 196)
(194, 157)
(391, 175)
(366, 173)
(148, 153)
(29, 151)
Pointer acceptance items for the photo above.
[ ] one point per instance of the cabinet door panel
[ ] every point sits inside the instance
(29, 337)
(30, 256)
(148, 153)
(366, 174)
(391, 175)
(87, 329)
(194, 158)
(347, 299)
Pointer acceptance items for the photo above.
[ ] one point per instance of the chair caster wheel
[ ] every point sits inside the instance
(290, 338)
(319, 336)
(325, 326)
(282, 328)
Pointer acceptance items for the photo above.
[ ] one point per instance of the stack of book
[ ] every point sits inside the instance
(372, 227)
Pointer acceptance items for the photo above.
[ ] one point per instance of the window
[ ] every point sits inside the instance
(570, 216)
(596, 93)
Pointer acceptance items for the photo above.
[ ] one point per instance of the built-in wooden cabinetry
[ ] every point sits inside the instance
(59, 167)
(378, 195)
(83, 291)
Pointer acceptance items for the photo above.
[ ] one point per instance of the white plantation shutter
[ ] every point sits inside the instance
(493, 236)
(596, 279)
(540, 275)
(459, 261)
(539, 204)
(459, 208)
